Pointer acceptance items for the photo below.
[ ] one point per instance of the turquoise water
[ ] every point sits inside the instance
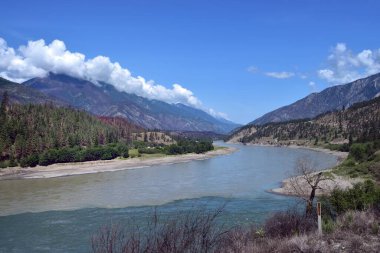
(61, 214)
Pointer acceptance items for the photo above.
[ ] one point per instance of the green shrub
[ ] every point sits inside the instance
(30, 161)
(123, 150)
(3, 164)
(328, 225)
(338, 147)
(109, 153)
(67, 155)
(363, 151)
(360, 197)
(78, 154)
(349, 162)
(189, 146)
(12, 162)
(49, 157)
(358, 151)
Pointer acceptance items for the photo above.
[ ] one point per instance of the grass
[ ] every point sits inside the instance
(219, 147)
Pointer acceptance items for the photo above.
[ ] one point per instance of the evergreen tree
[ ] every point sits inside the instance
(4, 107)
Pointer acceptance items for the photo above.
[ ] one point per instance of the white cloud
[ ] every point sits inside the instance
(219, 115)
(313, 86)
(253, 69)
(37, 59)
(280, 75)
(345, 66)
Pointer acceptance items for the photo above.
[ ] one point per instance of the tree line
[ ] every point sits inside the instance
(43, 134)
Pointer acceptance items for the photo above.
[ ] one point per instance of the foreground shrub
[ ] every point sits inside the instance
(358, 222)
(289, 223)
(191, 232)
(199, 231)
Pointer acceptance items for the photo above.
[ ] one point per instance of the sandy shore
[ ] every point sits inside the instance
(70, 169)
(337, 181)
(303, 189)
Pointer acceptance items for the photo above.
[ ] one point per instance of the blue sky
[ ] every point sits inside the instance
(242, 58)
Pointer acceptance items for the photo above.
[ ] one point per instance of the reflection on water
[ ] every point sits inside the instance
(240, 179)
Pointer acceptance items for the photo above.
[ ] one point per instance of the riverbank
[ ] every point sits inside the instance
(326, 186)
(71, 169)
(342, 182)
(341, 156)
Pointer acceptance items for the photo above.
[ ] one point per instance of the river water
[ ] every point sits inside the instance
(61, 214)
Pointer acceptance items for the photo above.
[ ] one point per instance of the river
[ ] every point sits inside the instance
(61, 214)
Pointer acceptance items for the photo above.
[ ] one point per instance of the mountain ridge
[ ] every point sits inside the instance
(105, 100)
(329, 99)
(21, 94)
(360, 122)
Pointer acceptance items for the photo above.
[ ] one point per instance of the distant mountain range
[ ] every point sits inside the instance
(360, 122)
(330, 99)
(105, 100)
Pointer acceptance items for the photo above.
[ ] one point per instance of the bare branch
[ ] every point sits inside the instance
(305, 181)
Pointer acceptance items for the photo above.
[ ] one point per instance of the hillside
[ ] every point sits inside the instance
(104, 100)
(22, 94)
(333, 98)
(360, 122)
(125, 129)
(30, 130)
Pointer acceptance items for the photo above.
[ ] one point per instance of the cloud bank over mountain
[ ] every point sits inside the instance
(37, 59)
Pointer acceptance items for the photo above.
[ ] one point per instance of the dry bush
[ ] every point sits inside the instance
(357, 222)
(198, 231)
(354, 232)
(189, 232)
(289, 223)
(236, 240)
(280, 245)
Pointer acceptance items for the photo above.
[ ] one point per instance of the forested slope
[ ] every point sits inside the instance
(30, 130)
(360, 122)
(43, 134)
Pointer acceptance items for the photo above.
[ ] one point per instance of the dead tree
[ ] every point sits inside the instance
(306, 181)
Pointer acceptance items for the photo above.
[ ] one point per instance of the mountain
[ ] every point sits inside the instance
(105, 100)
(330, 99)
(21, 94)
(360, 122)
